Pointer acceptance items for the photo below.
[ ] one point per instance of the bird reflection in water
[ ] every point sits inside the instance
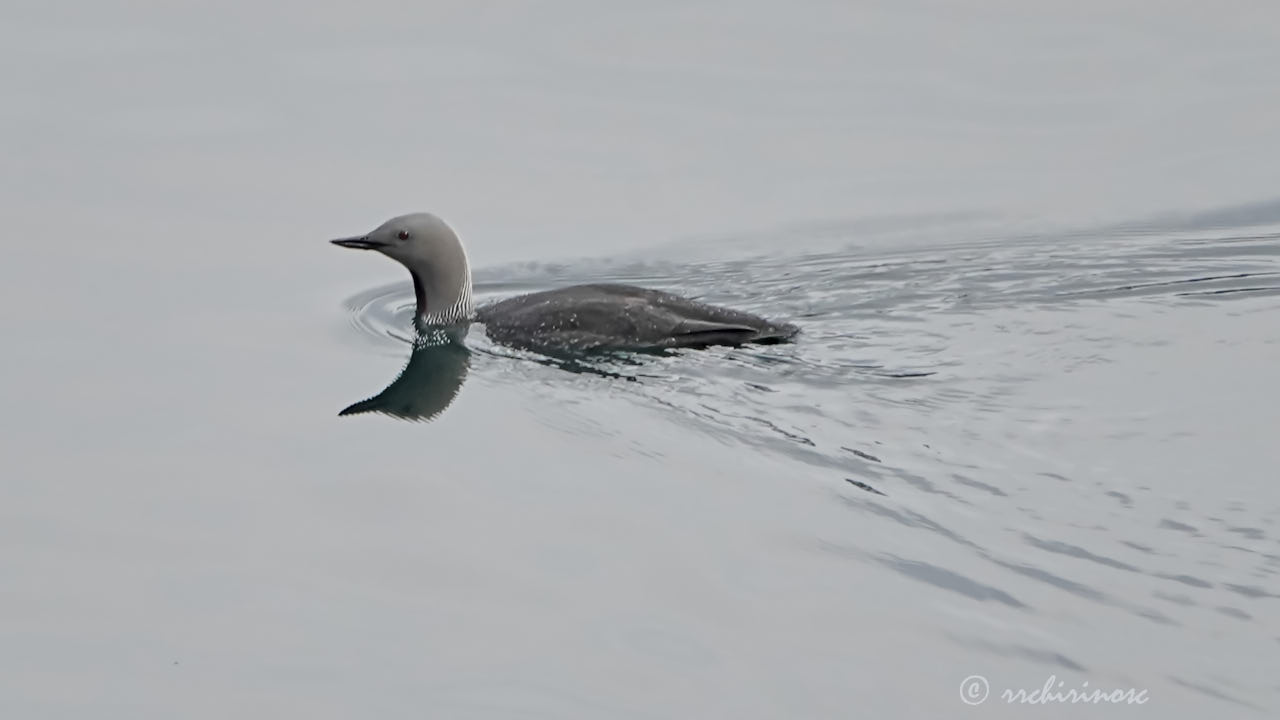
(428, 384)
(439, 363)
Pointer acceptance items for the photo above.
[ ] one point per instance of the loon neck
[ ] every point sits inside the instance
(439, 304)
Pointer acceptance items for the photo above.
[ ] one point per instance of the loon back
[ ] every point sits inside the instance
(610, 317)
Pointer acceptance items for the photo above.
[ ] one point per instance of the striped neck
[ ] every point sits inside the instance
(439, 306)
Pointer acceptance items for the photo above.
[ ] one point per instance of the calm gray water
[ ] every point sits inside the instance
(1028, 432)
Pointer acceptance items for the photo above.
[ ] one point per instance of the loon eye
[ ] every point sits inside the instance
(403, 234)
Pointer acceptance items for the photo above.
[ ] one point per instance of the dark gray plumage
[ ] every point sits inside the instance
(621, 317)
(580, 318)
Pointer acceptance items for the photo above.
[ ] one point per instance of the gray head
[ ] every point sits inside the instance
(434, 256)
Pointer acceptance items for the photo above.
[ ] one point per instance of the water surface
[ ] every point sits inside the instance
(1028, 429)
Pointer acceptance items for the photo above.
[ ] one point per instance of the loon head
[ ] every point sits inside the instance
(434, 257)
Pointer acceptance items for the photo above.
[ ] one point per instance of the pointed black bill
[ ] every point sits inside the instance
(357, 243)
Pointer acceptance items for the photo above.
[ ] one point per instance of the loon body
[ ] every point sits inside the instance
(579, 318)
